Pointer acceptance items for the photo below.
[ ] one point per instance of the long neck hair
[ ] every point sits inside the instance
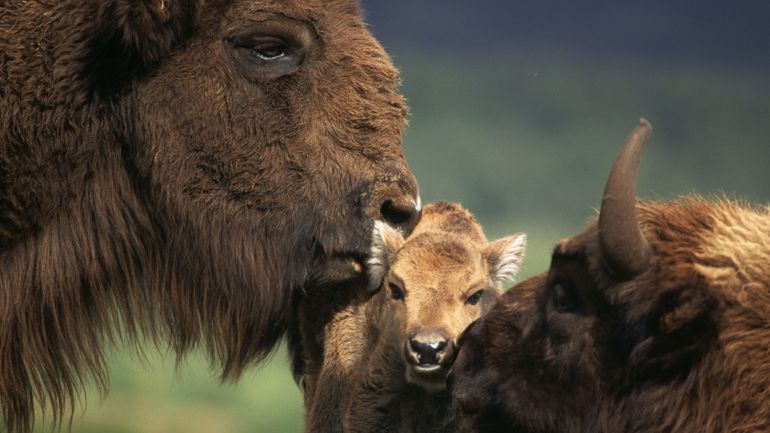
(107, 270)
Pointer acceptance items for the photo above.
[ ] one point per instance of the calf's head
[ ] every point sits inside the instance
(439, 280)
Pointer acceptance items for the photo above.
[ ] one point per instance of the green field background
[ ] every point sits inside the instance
(524, 141)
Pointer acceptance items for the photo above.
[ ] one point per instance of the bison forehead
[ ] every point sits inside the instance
(312, 9)
(328, 128)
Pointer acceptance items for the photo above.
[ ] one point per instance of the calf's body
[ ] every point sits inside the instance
(377, 360)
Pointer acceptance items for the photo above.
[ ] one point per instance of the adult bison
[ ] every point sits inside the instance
(175, 169)
(655, 319)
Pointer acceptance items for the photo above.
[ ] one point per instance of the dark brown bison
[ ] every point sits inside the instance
(177, 169)
(655, 319)
(379, 363)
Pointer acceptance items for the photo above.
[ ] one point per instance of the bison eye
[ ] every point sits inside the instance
(270, 51)
(475, 298)
(564, 300)
(263, 58)
(396, 292)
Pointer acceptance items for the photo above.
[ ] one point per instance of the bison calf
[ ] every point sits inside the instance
(655, 319)
(379, 362)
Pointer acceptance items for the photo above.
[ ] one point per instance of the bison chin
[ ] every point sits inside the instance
(341, 247)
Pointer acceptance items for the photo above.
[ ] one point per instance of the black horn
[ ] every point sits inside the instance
(625, 251)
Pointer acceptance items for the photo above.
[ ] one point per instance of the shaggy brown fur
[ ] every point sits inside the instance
(682, 347)
(176, 169)
(359, 361)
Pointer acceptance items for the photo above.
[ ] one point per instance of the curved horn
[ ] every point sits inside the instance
(625, 251)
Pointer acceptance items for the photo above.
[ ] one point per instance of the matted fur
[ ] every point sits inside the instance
(683, 347)
(153, 185)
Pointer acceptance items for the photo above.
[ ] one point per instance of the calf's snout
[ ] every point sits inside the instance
(429, 348)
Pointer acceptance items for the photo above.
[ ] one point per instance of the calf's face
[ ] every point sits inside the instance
(438, 283)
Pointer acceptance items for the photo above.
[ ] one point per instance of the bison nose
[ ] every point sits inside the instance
(392, 196)
(429, 348)
(402, 215)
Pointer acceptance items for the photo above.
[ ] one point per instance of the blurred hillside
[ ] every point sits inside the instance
(518, 109)
(529, 140)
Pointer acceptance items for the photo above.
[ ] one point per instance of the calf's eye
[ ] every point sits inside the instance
(396, 292)
(475, 298)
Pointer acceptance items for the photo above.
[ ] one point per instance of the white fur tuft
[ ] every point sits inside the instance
(509, 259)
(377, 264)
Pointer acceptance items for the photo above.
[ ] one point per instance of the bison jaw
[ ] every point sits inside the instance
(339, 269)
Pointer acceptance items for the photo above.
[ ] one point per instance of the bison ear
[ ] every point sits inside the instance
(385, 242)
(148, 29)
(678, 331)
(504, 257)
(130, 35)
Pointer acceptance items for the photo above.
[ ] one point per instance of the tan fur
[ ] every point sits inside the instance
(362, 382)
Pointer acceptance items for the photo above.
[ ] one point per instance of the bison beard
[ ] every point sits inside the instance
(654, 319)
(155, 183)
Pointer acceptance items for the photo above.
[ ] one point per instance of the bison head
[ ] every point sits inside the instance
(267, 144)
(621, 333)
(177, 169)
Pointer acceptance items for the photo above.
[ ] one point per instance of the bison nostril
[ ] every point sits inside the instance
(402, 217)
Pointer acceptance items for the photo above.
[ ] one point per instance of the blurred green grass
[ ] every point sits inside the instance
(152, 395)
(524, 142)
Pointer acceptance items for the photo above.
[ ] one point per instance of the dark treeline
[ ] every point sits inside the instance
(712, 30)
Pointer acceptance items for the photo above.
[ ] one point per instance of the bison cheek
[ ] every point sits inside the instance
(469, 379)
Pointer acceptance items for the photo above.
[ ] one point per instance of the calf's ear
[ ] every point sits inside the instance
(504, 257)
(385, 242)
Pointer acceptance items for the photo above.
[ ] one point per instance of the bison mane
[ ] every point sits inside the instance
(162, 180)
(100, 267)
(106, 271)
